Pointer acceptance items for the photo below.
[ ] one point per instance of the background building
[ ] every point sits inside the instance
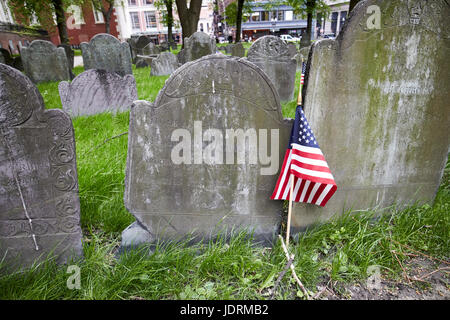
(13, 35)
(279, 20)
(142, 17)
(334, 23)
(206, 20)
(83, 23)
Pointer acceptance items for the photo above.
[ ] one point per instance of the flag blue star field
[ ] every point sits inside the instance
(313, 181)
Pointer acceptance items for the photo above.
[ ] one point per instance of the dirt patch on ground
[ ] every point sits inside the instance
(422, 280)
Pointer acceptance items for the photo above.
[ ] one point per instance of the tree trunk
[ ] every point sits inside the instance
(188, 16)
(61, 21)
(306, 37)
(240, 6)
(169, 5)
(107, 15)
(352, 4)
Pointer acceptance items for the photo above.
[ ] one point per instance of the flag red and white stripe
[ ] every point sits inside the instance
(313, 181)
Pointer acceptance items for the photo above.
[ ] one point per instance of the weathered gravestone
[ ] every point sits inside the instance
(272, 55)
(39, 204)
(292, 49)
(43, 61)
(185, 173)
(378, 101)
(106, 52)
(199, 44)
(302, 55)
(69, 53)
(235, 49)
(96, 91)
(164, 64)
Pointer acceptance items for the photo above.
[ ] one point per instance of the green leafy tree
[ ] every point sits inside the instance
(308, 8)
(106, 7)
(44, 10)
(166, 8)
(235, 12)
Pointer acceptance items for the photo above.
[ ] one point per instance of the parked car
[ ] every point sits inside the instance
(289, 38)
(329, 36)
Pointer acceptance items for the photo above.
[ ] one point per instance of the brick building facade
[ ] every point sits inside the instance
(83, 23)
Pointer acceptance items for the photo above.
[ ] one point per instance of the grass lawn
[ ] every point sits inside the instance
(339, 252)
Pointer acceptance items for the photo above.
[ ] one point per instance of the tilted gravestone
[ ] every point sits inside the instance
(39, 203)
(272, 55)
(377, 98)
(164, 64)
(96, 91)
(189, 168)
(199, 44)
(43, 61)
(106, 52)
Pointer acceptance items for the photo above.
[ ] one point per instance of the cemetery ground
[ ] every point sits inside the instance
(410, 246)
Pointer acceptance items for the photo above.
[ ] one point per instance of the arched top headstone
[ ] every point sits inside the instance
(384, 83)
(43, 61)
(95, 91)
(198, 45)
(217, 95)
(269, 48)
(106, 52)
(272, 55)
(40, 209)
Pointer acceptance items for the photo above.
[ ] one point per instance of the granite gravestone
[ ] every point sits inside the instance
(96, 91)
(377, 98)
(219, 184)
(70, 54)
(42, 61)
(106, 52)
(272, 55)
(199, 44)
(235, 49)
(39, 204)
(164, 64)
(292, 49)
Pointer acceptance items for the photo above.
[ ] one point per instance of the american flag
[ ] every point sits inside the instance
(302, 77)
(313, 181)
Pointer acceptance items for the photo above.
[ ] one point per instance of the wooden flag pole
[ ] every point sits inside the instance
(288, 227)
(291, 191)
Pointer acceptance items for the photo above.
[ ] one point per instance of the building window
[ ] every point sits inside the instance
(98, 16)
(343, 17)
(265, 16)
(150, 19)
(148, 2)
(280, 15)
(135, 21)
(132, 2)
(201, 27)
(288, 15)
(334, 20)
(77, 14)
(254, 17)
